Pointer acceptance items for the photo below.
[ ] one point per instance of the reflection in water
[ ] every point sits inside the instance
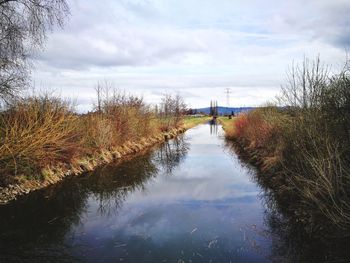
(189, 200)
(213, 127)
(289, 241)
(172, 153)
(29, 227)
(34, 228)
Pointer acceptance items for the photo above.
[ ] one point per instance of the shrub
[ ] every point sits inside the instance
(240, 124)
(319, 153)
(308, 141)
(42, 131)
(261, 130)
(35, 132)
(97, 132)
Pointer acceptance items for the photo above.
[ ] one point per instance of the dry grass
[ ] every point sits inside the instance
(260, 131)
(301, 164)
(303, 151)
(42, 132)
(228, 125)
(34, 133)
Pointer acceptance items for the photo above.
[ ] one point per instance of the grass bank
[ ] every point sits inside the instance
(228, 126)
(303, 150)
(43, 140)
(190, 122)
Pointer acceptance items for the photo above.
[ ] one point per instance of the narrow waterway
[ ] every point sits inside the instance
(188, 200)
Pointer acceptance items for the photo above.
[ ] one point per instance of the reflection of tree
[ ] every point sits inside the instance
(30, 226)
(35, 228)
(171, 153)
(112, 183)
(213, 127)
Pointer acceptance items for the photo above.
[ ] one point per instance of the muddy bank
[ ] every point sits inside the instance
(52, 175)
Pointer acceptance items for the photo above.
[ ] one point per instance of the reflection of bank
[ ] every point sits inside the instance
(213, 126)
(291, 240)
(39, 223)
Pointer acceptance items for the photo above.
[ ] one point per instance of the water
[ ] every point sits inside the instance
(189, 200)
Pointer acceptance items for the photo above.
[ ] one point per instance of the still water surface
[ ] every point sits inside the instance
(188, 200)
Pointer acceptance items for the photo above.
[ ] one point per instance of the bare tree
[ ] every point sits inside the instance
(102, 91)
(306, 84)
(23, 27)
(172, 109)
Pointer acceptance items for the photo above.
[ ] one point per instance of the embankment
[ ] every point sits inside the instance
(52, 175)
(303, 167)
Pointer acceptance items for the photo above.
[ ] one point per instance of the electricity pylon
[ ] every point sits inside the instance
(228, 92)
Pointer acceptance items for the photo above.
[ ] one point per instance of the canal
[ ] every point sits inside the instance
(188, 200)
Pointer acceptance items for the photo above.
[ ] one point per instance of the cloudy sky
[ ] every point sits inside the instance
(195, 48)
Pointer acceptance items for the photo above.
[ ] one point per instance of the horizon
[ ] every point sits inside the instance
(192, 48)
(174, 131)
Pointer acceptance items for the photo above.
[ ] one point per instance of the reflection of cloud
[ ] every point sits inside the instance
(200, 189)
(130, 209)
(207, 174)
(208, 199)
(167, 232)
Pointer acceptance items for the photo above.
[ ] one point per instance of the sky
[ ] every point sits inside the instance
(194, 48)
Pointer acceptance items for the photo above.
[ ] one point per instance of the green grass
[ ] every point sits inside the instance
(228, 125)
(190, 122)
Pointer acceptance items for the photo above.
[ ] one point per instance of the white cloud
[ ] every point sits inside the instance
(195, 48)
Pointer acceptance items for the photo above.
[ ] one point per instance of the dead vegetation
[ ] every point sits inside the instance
(42, 133)
(302, 148)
